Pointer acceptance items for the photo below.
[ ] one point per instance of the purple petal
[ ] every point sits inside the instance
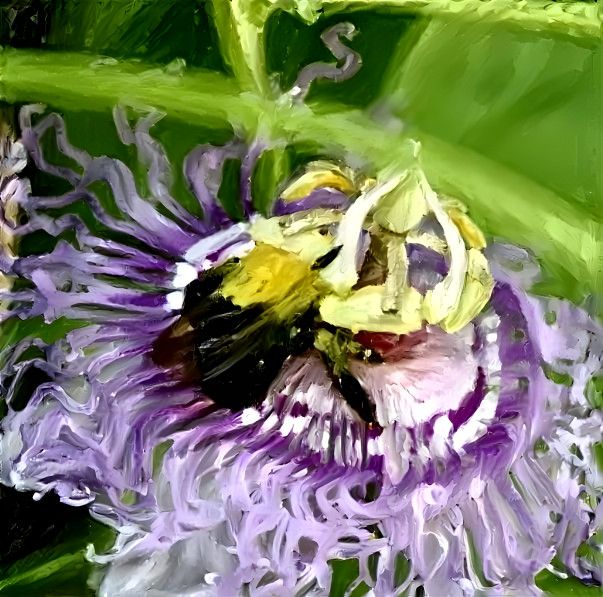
(324, 198)
(426, 267)
(203, 170)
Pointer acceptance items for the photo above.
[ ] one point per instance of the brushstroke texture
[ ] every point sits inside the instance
(453, 478)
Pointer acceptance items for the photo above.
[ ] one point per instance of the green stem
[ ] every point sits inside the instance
(42, 571)
(76, 80)
(578, 19)
(240, 25)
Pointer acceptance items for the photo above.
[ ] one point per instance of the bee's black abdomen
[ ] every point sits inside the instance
(356, 397)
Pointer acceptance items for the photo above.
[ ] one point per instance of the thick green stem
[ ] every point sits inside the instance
(240, 25)
(578, 19)
(78, 80)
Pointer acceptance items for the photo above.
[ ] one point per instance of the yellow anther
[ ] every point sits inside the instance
(472, 235)
(317, 175)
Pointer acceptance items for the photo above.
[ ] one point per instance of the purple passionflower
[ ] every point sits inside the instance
(473, 466)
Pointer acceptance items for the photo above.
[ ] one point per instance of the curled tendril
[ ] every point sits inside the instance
(349, 61)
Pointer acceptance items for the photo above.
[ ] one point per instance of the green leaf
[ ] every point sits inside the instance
(61, 567)
(556, 586)
(270, 171)
(345, 573)
(594, 392)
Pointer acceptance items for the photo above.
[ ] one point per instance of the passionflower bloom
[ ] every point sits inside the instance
(356, 375)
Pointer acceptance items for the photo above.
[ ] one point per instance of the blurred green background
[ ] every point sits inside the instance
(504, 96)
